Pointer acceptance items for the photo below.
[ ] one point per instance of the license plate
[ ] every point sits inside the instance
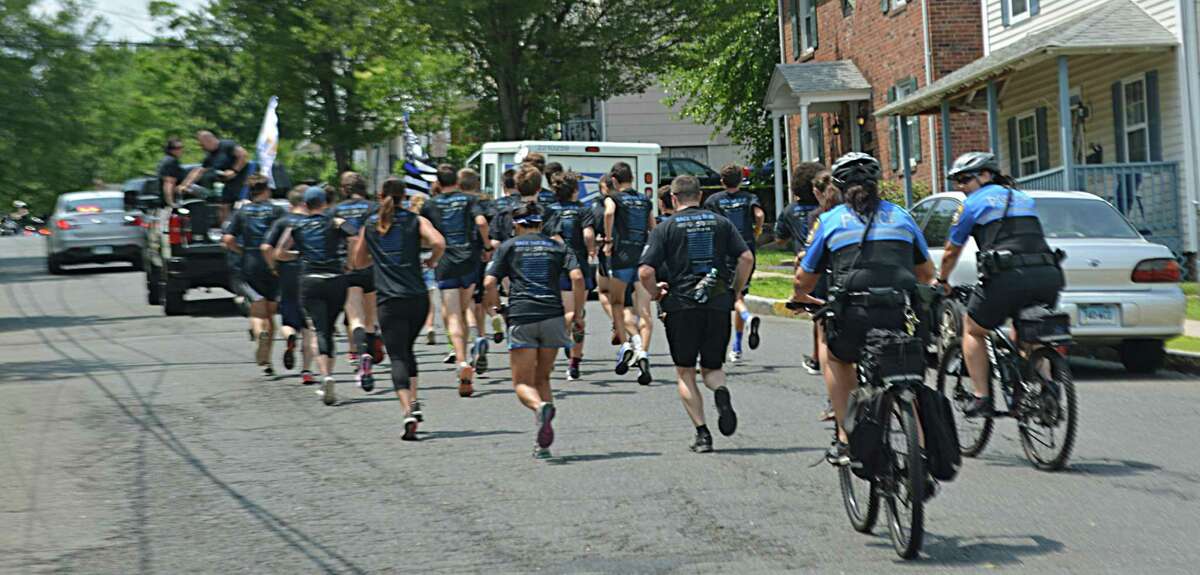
(1099, 314)
(102, 250)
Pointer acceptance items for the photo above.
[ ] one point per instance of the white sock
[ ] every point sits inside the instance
(637, 342)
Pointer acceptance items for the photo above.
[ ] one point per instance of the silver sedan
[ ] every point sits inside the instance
(93, 227)
(1122, 291)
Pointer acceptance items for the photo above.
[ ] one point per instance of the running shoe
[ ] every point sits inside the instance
(752, 336)
(306, 378)
(364, 377)
(643, 364)
(838, 454)
(573, 372)
(545, 434)
(263, 353)
(497, 329)
(450, 359)
(624, 357)
(376, 345)
(353, 358)
(431, 337)
(410, 428)
(465, 375)
(414, 409)
(812, 366)
(479, 359)
(978, 407)
(541, 453)
(735, 356)
(726, 416)
(268, 371)
(327, 393)
(289, 353)
(702, 443)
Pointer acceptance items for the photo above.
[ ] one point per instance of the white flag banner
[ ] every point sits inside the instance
(268, 141)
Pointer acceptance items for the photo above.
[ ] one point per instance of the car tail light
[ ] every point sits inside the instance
(1162, 270)
(177, 231)
(648, 178)
(63, 224)
(44, 231)
(745, 172)
(135, 221)
(592, 149)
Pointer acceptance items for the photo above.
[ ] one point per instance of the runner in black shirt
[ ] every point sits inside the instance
(628, 219)
(742, 208)
(570, 222)
(693, 248)
(457, 217)
(607, 185)
(294, 327)
(318, 238)
(794, 224)
(469, 183)
(535, 265)
(261, 287)
(360, 292)
(392, 239)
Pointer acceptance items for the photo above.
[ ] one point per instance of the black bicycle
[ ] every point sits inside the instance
(902, 481)
(1037, 386)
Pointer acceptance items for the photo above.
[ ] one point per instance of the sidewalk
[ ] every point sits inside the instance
(1191, 328)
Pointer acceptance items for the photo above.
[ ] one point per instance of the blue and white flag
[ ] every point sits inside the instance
(419, 176)
(268, 141)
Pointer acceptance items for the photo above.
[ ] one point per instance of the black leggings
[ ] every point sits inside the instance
(323, 298)
(401, 321)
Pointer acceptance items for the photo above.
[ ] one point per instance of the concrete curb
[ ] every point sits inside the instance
(1181, 361)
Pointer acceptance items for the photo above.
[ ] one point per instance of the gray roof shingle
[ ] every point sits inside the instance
(823, 77)
(1113, 25)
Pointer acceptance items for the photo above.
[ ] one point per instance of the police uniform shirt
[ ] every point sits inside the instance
(568, 220)
(738, 207)
(685, 248)
(319, 242)
(454, 215)
(896, 247)
(534, 264)
(630, 228)
(794, 224)
(982, 216)
(397, 256)
(251, 224)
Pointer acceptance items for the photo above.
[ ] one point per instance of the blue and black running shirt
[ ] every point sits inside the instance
(397, 256)
(454, 216)
(568, 220)
(895, 247)
(319, 242)
(631, 228)
(685, 248)
(794, 224)
(738, 208)
(252, 223)
(533, 263)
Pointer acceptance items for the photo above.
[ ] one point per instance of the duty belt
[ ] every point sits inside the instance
(882, 298)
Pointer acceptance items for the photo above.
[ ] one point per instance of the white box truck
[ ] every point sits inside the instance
(592, 160)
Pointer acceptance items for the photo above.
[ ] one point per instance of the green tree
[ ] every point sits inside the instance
(532, 62)
(720, 76)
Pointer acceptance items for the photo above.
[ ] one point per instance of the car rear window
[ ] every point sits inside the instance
(1080, 218)
(94, 205)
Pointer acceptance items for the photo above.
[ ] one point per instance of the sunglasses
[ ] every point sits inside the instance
(964, 179)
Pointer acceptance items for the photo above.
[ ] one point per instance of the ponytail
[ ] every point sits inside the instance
(863, 197)
(393, 191)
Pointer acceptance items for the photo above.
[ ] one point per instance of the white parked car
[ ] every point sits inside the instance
(92, 227)
(1122, 291)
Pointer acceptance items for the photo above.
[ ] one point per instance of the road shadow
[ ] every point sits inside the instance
(445, 434)
(561, 393)
(214, 307)
(61, 321)
(980, 549)
(766, 450)
(590, 457)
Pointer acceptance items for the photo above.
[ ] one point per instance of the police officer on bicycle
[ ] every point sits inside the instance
(1017, 268)
(877, 256)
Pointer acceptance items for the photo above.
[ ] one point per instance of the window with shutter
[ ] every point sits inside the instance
(1136, 120)
(1027, 144)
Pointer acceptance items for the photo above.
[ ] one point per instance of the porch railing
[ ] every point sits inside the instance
(1052, 179)
(1146, 192)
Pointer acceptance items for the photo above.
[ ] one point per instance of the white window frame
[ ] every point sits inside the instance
(896, 4)
(1144, 124)
(1013, 17)
(1031, 116)
(914, 128)
(806, 43)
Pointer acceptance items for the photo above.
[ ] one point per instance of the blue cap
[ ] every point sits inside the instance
(530, 219)
(314, 195)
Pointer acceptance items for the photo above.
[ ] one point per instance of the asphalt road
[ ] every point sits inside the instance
(135, 443)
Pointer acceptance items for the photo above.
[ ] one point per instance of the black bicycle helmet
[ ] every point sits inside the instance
(856, 167)
(973, 163)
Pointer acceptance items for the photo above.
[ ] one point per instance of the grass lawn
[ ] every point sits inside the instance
(771, 287)
(1185, 343)
(767, 258)
(1192, 291)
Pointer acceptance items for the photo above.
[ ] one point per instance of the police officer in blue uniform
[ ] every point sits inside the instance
(877, 256)
(245, 232)
(1017, 268)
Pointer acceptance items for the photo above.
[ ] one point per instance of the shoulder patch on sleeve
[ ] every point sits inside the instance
(812, 234)
(957, 215)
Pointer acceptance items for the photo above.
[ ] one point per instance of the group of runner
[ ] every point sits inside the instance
(516, 267)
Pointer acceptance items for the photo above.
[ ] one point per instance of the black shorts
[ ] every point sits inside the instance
(478, 296)
(602, 264)
(258, 283)
(1003, 295)
(847, 334)
(702, 333)
(363, 278)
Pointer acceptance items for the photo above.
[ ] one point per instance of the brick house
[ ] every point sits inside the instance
(845, 59)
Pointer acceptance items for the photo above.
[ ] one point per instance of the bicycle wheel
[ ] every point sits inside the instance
(1048, 410)
(906, 479)
(954, 383)
(861, 499)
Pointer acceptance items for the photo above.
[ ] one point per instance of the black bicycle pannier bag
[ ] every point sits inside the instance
(864, 428)
(1040, 324)
(941, 435)
(891, 357)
